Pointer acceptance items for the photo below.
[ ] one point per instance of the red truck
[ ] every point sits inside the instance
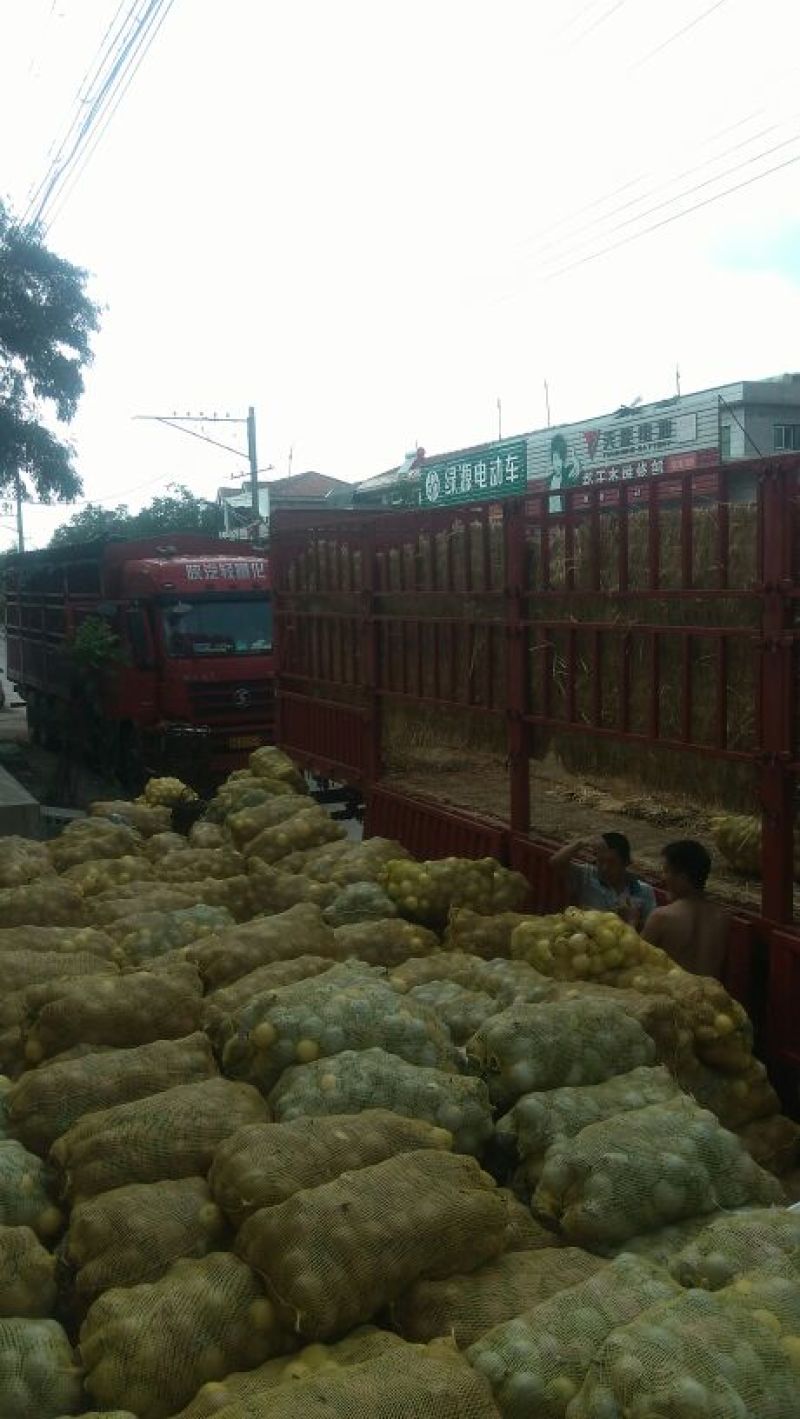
(472, 670)
(190, 686)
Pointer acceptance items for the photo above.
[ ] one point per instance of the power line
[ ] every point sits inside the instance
(539, 240)
(692, 24)
(83, 162)
(674, 217)
(64, 163)
(121, 53)
(93, 69)
(698, 186)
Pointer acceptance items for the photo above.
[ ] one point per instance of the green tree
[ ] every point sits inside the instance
(177, 510)
(46, 323)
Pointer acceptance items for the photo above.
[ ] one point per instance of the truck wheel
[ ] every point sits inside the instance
(131, 770)
(50, 723)
(33, 718)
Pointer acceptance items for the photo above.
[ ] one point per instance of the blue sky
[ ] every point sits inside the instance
(354, 217)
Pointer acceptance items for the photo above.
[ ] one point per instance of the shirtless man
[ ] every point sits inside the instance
(691, 929)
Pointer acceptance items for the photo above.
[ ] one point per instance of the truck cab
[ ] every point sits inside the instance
(192, 686)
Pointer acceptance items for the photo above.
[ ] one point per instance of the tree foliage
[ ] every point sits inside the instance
(46, 324)
(177, 510)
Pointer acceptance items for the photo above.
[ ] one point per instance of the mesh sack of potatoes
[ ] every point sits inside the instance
(264, 1164)
(161, 844)
(147, 819)
(694, 1355)
(194, 863)
(269, 762)
(27, 1274)
(426, 891)
(113, 1010)
(537, 1360)
(167, 792)
(662, 1018)
(48, 902)
(343, 1009)
(235, 952)
(527, 1048)
(506, 981)
(237, 794)
(346, 862)
(104, 873)
(462, 1011)
(221, 1005)
(91, 838)
(334, 1255)
(39, 1374)
(173, 1134)
(107, 907)
(309, 828)
(386, 942)
(738, 838)
(369, 1079)
(24, 1191)
(664, 1243)
(365, 1343)
(12, 1047)
(22, 860)
(45, 1102)
(63, 940)
(411, 1381)
(524, 1233)
(538, 1120)
(764, 1237)
(205, 834)
(145, 935)
(135, 1233)
(274, 890)
(5, 1089)
(486, 936)
(736, 1099)
(359, 902)
(644, 1169)
(721, 1030)
(247, 823)
(150, 1347)
(466, 1306)
(773, 1142)
(584, 945)
(23, 969)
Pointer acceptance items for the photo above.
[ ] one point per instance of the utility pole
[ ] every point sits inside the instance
(499, 419)
(547, 401)
(179, 422)
(253, 460)
(20, 532)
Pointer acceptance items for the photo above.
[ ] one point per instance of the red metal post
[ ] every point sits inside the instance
(370, 634)
(775, 653)
(517, 660)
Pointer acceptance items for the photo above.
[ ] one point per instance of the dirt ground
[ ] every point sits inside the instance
(564, 807)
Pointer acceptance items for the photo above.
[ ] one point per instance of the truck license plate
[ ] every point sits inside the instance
(244, 741)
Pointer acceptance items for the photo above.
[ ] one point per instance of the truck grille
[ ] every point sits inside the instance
(245, 700)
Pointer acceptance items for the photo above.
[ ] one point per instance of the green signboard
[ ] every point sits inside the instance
(495, 471)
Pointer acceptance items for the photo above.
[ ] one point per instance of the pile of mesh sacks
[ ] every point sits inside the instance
(297, 1126)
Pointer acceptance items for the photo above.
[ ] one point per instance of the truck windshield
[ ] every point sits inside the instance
(223, 627)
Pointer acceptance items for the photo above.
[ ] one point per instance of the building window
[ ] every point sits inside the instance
(664, 430)
(725, 441)
(786, 438)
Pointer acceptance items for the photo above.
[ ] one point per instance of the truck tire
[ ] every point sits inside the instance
(130, 766)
